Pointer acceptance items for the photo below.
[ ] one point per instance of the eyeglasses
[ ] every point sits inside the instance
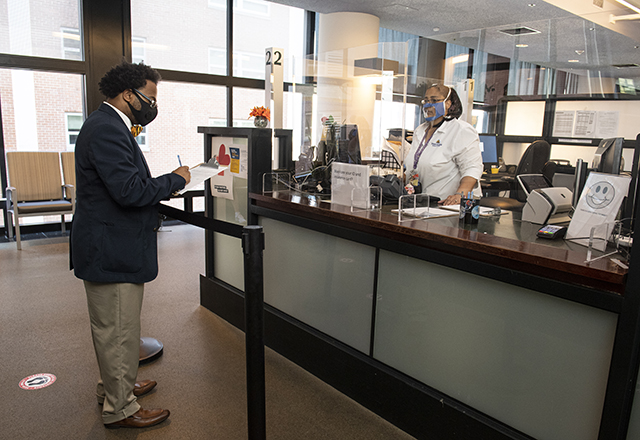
(152, 102)
(432, 101)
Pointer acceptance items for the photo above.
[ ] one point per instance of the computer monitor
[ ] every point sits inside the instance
(349, 144)
(579, 181)
(489, 149)
(608, 157)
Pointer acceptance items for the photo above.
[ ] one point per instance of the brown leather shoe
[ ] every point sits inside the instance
(141, 419)
(140, 388)
(143, 387)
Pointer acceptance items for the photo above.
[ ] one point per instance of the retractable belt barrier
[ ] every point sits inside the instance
(252, 247)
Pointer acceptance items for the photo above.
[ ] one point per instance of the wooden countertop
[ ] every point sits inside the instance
(501, 241)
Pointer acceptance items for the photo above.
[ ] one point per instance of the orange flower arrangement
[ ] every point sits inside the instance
(260, 111)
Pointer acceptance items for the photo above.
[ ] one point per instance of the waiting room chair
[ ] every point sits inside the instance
(532, 162)
(68, 159)
(36, 189)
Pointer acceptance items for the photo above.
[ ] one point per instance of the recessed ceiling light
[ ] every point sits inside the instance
(436, 29)
(522, 45)
(522, 30)
(629, 5)
(579, 51)
(531, 5)
(460, 58)
(574, 61)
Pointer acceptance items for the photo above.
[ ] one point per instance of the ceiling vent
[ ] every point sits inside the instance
(522, 30)
(625, 66)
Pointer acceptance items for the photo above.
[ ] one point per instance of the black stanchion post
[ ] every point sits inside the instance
(252, 246)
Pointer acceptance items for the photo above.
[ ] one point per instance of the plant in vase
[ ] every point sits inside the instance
(262, 116)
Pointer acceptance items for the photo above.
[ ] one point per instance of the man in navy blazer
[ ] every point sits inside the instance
(113, 245)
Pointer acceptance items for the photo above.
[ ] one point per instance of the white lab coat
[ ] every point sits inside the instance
(452, 153)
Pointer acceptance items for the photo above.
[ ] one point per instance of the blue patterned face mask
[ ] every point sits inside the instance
(439, 107)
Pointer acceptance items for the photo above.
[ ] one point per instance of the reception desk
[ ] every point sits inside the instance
(474, 331)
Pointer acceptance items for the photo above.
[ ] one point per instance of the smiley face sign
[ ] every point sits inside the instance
(600, 195)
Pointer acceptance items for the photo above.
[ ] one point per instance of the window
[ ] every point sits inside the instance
(39, 28)
(222, 4)
(248, 65)
(217, 61)
(257, 7)
(182, 47)
(138, 49)
(252, 6)
(219, 122)
(74, 122)
(278, 26)
(71, 44)
(245, 64)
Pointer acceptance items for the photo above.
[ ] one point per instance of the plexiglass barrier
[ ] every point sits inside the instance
(366, 199)
(276, 181)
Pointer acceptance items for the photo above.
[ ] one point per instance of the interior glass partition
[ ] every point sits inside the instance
(355, 112)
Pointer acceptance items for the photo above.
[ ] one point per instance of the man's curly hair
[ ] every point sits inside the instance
(126, 76)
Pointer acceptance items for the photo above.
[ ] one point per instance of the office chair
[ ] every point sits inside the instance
(388, 160)
(532, 162)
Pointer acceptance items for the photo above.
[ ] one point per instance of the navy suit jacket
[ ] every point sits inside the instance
(113, 236)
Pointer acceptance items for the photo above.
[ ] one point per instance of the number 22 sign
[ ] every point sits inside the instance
(277, 57)
(273, 84)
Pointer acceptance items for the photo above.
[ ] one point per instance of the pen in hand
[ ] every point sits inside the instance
(179, 161)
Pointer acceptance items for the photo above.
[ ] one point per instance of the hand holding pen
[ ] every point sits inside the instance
(183, 171)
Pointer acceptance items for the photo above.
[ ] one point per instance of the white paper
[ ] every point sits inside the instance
(344, 178)
(427, 212)
(563, 123)
(222, 185)
(201, 173)
(599, 204)
(483, 209)
(585, 124)
(239, 160)
(607, 124)
(231, 156)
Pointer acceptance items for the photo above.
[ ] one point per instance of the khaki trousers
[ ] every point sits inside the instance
(114, 311)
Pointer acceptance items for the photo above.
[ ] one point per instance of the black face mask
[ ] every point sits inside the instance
(147, 112)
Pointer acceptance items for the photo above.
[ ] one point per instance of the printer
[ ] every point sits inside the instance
(548, 205)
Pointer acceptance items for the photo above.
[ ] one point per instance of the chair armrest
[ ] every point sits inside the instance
(12, 194)
(69, 191)
(70, 194)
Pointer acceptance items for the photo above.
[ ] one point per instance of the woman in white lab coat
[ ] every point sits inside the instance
(444, 159)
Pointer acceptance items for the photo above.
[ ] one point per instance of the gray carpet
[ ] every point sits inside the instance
(44, 328)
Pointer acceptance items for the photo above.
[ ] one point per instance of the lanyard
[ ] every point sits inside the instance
(423, 144)
(420, 150)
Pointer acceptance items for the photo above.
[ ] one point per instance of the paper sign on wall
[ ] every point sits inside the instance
(230, 155)
(598, 205)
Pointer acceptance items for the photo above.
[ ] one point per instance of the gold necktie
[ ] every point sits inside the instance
(136, 130)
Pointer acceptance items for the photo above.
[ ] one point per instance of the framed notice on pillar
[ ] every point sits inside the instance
(274, 57)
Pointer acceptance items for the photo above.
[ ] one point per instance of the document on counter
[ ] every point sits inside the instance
(484, 210)
(426, 212)
(202, 172)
